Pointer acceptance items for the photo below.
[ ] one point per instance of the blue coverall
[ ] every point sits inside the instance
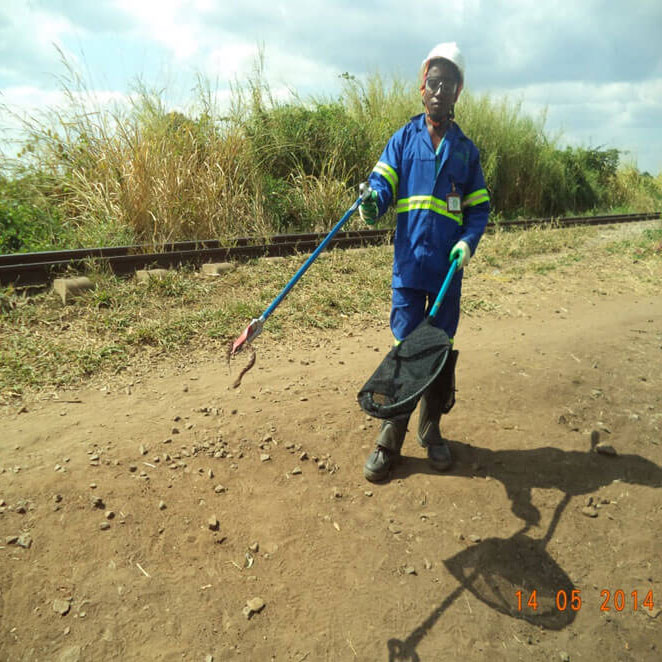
(417, 180)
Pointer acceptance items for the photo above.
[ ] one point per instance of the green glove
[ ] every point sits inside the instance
(368, 209)
(462, 253)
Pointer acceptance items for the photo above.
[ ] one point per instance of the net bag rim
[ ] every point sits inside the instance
(406, 406)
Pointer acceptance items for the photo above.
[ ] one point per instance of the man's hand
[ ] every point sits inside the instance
(368, 208)
(462, 253)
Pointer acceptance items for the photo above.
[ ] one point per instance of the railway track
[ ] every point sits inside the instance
(38, 269)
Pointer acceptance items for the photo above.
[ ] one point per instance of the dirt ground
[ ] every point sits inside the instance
(211, 497)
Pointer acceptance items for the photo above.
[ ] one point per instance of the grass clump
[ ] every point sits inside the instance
(504, 246)
(648, 245)
(143, 173)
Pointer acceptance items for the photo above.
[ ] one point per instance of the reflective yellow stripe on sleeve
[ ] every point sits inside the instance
(389, 174)
(476, 198)
(427, 202)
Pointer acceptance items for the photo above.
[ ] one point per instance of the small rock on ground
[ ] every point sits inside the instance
(253, 606)
(61, 606)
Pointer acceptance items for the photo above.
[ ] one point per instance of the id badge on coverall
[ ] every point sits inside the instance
(454, 200)
(454, 203)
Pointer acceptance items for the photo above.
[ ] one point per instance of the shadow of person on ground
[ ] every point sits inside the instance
(516, 576)
(497, 568)
(572, 472)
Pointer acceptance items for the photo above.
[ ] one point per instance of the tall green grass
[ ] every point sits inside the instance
(141, 173)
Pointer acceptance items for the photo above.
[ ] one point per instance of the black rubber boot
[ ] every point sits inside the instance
(389, 443)
(438, 399)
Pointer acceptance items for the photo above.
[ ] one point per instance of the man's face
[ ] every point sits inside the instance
(441, 89)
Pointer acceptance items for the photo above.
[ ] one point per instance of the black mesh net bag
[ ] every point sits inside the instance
(406, 371)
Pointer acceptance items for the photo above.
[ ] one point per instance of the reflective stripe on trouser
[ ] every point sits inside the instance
(409, 308)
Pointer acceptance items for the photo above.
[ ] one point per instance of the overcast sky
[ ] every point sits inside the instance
(596, 65)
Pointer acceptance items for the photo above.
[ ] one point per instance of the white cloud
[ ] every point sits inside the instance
(620, 115)
(617, 104)
(27, 39)
(178, 25)
(231, 60)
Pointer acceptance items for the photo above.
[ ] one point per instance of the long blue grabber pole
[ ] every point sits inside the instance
(255, 327)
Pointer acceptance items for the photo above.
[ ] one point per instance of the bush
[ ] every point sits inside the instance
(28, 221)
(632, 188)
(289, 138)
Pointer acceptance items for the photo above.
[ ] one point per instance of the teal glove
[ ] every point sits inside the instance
(462, 253)
(368, 209)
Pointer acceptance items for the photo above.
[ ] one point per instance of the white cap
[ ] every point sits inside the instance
(446, 51)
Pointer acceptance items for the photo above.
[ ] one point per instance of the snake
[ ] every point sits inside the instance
(247, 367)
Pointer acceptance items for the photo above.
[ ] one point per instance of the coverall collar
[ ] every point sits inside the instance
(452, 131)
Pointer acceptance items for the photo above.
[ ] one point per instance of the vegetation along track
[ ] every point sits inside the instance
(37, 269)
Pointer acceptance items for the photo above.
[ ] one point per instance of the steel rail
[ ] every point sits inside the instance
(38, 269)
(173, 247)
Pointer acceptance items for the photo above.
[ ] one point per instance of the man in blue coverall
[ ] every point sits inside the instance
(431, 172)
